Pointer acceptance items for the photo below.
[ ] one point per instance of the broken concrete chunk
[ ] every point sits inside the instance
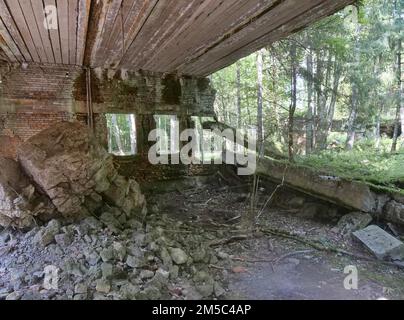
(46, 235)
(383, 245)
(70, 166)
(20, 203)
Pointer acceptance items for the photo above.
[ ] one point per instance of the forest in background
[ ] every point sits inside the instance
(330, 96)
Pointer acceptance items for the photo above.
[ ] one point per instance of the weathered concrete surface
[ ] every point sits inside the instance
(394, 212)
(76, 172)
(380, 243)
(350, 194)
(20, 203)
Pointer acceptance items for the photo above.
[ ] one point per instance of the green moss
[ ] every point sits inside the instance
(382, 171)
(124, 93)
(80, 88)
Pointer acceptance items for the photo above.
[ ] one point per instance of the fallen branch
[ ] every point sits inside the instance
(321, 247)
(229, 240)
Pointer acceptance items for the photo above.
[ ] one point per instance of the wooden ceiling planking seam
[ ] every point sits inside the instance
(31, 22)
(5, 57)
(177, 34)
(63, 28)
(72, 30)
(248, 28)
(103, 6)
(176, 18)
(206, 11)
(116, 42)
(195, 37)
(151, 26)
(294, 25)
(82, 28)
(38, 11)
(24, 29)
(54, 36)
(8, 45)
(109, 23)
(271, 20)
(13, 31)
(141, 15)
(214, 23)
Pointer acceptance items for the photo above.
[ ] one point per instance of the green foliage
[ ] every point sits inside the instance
(378, 168)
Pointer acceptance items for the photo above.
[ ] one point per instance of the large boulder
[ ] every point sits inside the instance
(20, 204)
(77, 173)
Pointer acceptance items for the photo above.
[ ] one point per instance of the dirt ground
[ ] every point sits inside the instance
(272, 267)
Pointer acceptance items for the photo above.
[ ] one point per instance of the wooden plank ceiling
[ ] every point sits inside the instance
(194, 37)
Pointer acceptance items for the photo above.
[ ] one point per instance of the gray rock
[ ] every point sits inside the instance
(110, 220)
(92, 257)
(131, 261)
(178, 256)
(174, 271)
(81, 289)
(4, 237)
(14, 296)
(129, 291)
(380, 243)
(119, 251)
(93, 223)
(165, 257)
(63, 239)
(146, 274)
(353, 222)
(107, 254)
(103, 286)
(107, 270)
(206, 290)
(218, 289)
(150, 293)
(394, 212)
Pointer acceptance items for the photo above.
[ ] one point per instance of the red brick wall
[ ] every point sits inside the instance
(25, 125)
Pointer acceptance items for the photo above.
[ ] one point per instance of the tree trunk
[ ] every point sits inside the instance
(132, 127)
(400, 104)
(334, 95)
(378, 134)
(260, 135)
(310, 104)
(293, 101)
(351, 132)
(238, 84)
(117, 134)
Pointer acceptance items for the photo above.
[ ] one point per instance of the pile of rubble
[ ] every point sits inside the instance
(63, 172)
(111, 258)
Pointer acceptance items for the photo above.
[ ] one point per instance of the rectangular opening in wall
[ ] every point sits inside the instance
(169, 127)
(210, 146)
(121, 134)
